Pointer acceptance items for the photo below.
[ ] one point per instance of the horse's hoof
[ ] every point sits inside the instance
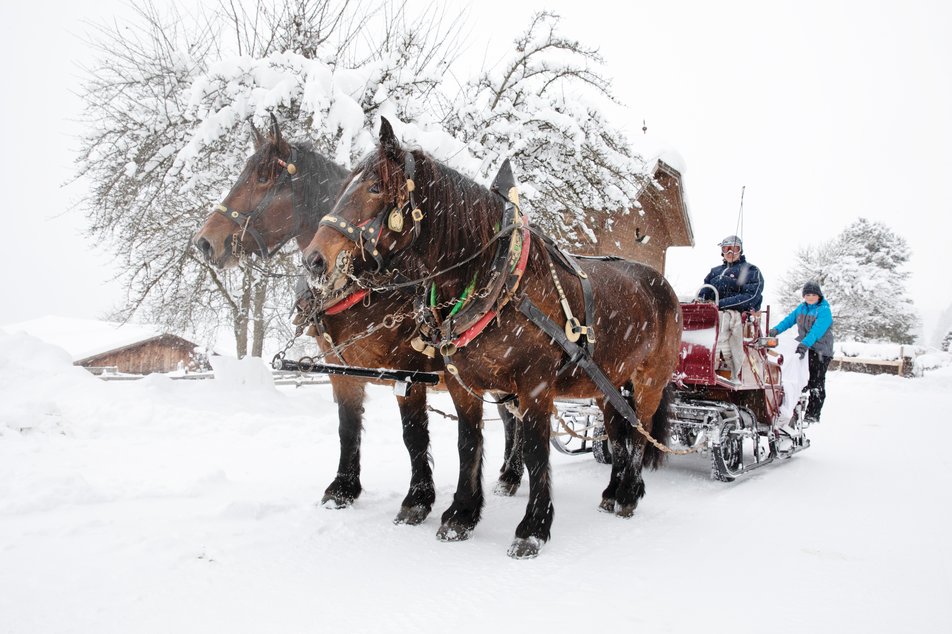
(448, 533)
(412, 515)
(626, 511)
(527, 548)
(505, 489)
(331, 501)
(607, 506)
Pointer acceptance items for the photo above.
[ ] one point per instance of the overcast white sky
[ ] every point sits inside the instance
(825, 110)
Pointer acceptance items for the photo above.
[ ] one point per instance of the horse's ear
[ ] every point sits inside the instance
(258, 137)
(275, 130)
(504, 180)
(388, 140)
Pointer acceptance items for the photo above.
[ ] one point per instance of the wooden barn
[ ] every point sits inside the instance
(124, 348)
(161, 353)
(645, 234)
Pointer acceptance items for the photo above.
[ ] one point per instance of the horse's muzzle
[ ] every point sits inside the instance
(204, 247)
(314, 263)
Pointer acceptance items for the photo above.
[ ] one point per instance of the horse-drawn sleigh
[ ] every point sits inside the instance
(735, 422)
(417, 267)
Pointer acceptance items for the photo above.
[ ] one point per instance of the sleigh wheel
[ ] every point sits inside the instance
(574, 427)
(728, 454)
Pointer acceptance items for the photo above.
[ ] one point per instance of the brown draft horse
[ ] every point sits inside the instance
(636, 318)
(285, 206)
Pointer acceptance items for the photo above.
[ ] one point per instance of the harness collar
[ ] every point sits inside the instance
(508, 266)
(347, 302)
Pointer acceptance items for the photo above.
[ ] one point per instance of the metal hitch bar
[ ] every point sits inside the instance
(306, 364)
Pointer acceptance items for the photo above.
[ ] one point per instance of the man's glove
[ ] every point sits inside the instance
(772, 332)
(801, 350)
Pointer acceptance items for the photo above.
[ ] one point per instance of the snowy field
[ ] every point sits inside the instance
(180, 506)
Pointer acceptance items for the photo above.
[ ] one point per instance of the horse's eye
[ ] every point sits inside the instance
(263, 177)
(375, 188)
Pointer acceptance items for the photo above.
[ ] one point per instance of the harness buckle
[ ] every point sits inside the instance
(417, 214)
(448, 349)
(573, 329)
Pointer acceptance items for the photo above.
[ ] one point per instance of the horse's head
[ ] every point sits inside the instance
(375, 217)
(257, 215)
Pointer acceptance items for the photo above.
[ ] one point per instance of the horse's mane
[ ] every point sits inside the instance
(317, 183)
(460, 216)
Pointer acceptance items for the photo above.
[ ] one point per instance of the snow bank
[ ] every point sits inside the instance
(932, 361)
(33, 376)
(881, 351)
(192, 506)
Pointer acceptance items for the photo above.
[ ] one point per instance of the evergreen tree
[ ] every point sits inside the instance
(942, 328)
(862, 275)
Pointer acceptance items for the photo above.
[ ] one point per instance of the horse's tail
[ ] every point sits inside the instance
(660, 431)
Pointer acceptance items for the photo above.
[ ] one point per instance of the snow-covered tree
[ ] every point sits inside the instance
(862, 275)
(167, 109)
(946, 343)
(943, 326)
(541, 107)
(169, 103)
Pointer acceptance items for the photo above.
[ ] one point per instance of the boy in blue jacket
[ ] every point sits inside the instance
(813, 319)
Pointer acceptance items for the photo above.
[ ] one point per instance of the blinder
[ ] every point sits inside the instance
(367, 234)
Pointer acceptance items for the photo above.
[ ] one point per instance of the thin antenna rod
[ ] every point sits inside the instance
(739, 229)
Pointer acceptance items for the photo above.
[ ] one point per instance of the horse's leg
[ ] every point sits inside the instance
(622, 488)
(349, 395)
(628, 482)
(461, 517)
(631, 486)
(416, 436)
(535, 528)
(510, 474)
(619, 455)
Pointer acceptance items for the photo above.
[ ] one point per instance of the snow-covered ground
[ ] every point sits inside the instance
(179, 506)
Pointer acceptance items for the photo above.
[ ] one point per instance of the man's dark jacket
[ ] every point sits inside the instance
(740, 286)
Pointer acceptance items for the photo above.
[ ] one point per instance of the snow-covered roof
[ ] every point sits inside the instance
(84, 338)
(652, 149)
(660, 156)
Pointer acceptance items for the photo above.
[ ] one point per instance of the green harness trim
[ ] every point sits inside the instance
(460, 302)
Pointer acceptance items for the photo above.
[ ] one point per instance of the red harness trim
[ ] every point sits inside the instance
(524, 259)
(480, 325)
(347, 302)
(474, 330)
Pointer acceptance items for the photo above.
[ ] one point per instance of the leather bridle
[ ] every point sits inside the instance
(245, 219)
(366, 235)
